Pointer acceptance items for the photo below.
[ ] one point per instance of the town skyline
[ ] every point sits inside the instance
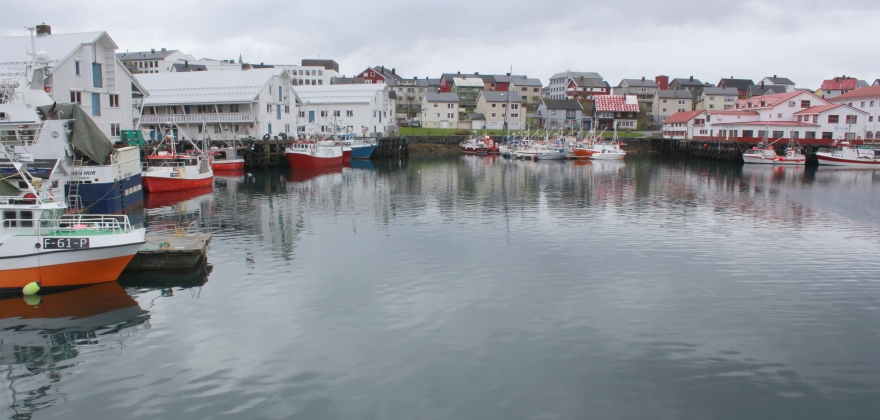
(748, 40)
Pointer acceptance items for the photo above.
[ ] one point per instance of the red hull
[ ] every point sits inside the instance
(305, 174)
(153, 184)
(227, 166)
(302, 160)
(346, 154)
(163, 199)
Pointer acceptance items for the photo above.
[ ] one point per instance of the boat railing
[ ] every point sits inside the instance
(71, 223)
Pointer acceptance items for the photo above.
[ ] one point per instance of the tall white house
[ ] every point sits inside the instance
(82, 69)
(363, 109)
(220, 105)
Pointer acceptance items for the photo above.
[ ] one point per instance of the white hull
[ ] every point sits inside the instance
(758, 160)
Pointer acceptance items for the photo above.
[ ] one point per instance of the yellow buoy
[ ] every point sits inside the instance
(30, 288)
(33, 300)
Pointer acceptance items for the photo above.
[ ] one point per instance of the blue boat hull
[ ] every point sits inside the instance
(362, 152)
(110, 197)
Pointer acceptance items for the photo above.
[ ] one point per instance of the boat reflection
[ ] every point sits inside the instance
(165, 199)
(360, 164)
(235, 173)
(44, 336)
(305, 174)
(165, 279)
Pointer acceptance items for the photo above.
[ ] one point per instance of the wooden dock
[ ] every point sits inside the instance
(171, 252)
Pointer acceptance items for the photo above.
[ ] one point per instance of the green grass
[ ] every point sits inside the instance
(428, 131)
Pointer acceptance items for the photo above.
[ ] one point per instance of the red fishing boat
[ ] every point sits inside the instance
(312, 154)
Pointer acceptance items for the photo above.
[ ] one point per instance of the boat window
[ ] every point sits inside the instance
(47, 218)
(26, 217)
(9, 219)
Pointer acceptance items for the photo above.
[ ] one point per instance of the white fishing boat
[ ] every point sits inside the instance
(40, 243)
(763, 154)
(794, 155)
(847, 155)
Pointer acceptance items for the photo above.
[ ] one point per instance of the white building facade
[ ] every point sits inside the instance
(501, 107)
(363, 109)
(440, 110)
(866, 99)
(218, 105)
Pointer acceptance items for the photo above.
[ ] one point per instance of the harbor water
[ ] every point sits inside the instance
(481, 288)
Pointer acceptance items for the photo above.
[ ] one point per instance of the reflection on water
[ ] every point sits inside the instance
(480, 287)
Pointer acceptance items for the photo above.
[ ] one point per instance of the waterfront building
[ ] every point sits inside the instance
(578, 85)
(866, 99)
(779, 81)
(83, 69)
(620, 111)
(643, 89)
(366, 110)
(840, 85)
(669, 102)
(439, 110)
(681, 125)
(153, 61)
(742, 85)
(717, 98)
(501, 107)
(220, 105)
(410, 95)
(562, 114)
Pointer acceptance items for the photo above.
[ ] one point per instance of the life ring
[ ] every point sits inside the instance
(267, 136)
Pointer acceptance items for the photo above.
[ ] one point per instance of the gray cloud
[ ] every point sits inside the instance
(805, 40)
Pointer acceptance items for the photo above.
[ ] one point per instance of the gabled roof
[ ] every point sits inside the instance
(145, 55)
(776, 99)
(617, 103)
(687, 81)
(206, 87)
(721, 91)
(441, 97)
(338, 94)
(680, 117)
(741, 84)
(865, 92)
(780, 80)
(638, 83)
(500, 96)
(577, 74)
(732, 112)
(525, 81)
(589, 82)
(840, 83)
(14, 50)
(674, 94)
(566, 104)
(825, 108)
(758, 90)
(468, 82)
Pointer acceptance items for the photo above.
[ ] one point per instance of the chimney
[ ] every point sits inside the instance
(477, 73)
(458, 73)
(185, 64)
(393, 71)
(43, 29)
(152, 50)
(692, 78)
(774, 76)
(762, 84)
(508, 74)
(163, 49)
(643, 78)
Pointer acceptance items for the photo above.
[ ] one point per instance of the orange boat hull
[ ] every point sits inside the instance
(64, 275)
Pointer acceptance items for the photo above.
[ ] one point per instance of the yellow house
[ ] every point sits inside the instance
(501, 107)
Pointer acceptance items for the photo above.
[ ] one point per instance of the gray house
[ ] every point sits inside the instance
(561, 113)
(642, 88)
(695, 86)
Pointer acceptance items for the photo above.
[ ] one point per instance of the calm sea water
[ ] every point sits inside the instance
(481, 288)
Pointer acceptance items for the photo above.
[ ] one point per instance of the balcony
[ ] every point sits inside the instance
(234, 117)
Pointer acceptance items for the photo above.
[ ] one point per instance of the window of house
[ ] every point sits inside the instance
(795, 134)
(323, 113)
(815, 118)
(76, 97)
(863, 104)
(827, 135)
(493, 105)
(233, 108)
(852, 119)
(171, 110)
(76, 67)
(114, 101)
(114, 130)
(748, 133)
(287, 109)
(870, 118)
(349, 113)
(436, 105)
(437, 114)
(664, 101)
(337, 113)
(216, 128)
(810, 135)
(833, 119)
(96, 104)
(97, 77)
(450, 115)
(494, 115)
(711, 106)
(778, 134)
(268, 107)
(872, 104)
(514, 115)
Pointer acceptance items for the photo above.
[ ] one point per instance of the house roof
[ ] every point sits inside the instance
(500, 96)
(741, 84)
(638, 83)
(14, 50)
(825, 108)
(441, 97)
(732, 112)
(566, 104)
(206, 87)
(617, 103)
(590, 82)
(674, 94)
(577, 74)
(525, 81)
(475, 116)
(774, 99)
(338, 94)
(780, 80)
(145, 55)
(688, 81)
(758, 90)
(468, 82)
(840, 83)
(680, 117)
(865, 92)
(721, 91)
(184, 67)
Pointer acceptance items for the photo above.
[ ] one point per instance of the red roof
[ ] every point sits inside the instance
(865, 92)
(680, 117)
(733, 112)
(617, 103)
(840, 84)
(817, 109)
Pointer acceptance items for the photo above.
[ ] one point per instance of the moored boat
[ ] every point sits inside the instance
(312, 154)
(474, 146)
(847, 155)
(760, 154)
(794, 155)
(226, 159)
(169, 171)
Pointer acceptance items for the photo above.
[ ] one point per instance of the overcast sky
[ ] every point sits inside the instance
(805, 40)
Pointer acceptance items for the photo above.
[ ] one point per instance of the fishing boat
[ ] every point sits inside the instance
(551, 153)
(763, 153)
(168, 170)
(794, 155)
(357, 148)
(608, 154)
(226, 159)
(312, 154)
(607, 149)
(848, 155)
(40, 243)
(474, 146)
